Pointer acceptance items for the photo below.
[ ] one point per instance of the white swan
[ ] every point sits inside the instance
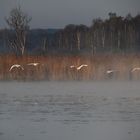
(79, 67)
(16, 66)
(72, 66)
(33, 64)
(135, 69)
(111, 71)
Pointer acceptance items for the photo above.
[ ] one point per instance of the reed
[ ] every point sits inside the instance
(58, 67)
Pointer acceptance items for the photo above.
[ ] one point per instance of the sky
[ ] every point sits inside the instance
(59, 13)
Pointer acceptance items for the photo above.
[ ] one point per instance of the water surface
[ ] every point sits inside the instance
(70, 110)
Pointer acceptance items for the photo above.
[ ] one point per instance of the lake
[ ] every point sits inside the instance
(65, 110)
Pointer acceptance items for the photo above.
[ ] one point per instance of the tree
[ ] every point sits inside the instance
(97, 34)
(18, 21)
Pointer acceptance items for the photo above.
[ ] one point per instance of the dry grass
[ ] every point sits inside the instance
(58, 67)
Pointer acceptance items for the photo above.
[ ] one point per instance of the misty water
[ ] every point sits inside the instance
(70, 110)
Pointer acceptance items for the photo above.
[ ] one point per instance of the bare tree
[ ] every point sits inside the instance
(18, 21)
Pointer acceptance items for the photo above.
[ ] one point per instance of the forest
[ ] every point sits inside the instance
(116, 34)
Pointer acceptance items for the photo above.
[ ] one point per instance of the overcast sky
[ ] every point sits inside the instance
(58, 13)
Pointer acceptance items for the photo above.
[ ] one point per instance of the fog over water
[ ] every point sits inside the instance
(70, 110)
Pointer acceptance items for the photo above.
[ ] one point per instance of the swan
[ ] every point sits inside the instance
(135, 69)
(16, 66)
(111, 71)
(72, 66)
(79, 67)
(33, 64)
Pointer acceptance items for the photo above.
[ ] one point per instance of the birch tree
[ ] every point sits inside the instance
(18, 21)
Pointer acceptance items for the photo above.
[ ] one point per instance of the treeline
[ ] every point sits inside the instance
(113, 35)
(116, 34)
